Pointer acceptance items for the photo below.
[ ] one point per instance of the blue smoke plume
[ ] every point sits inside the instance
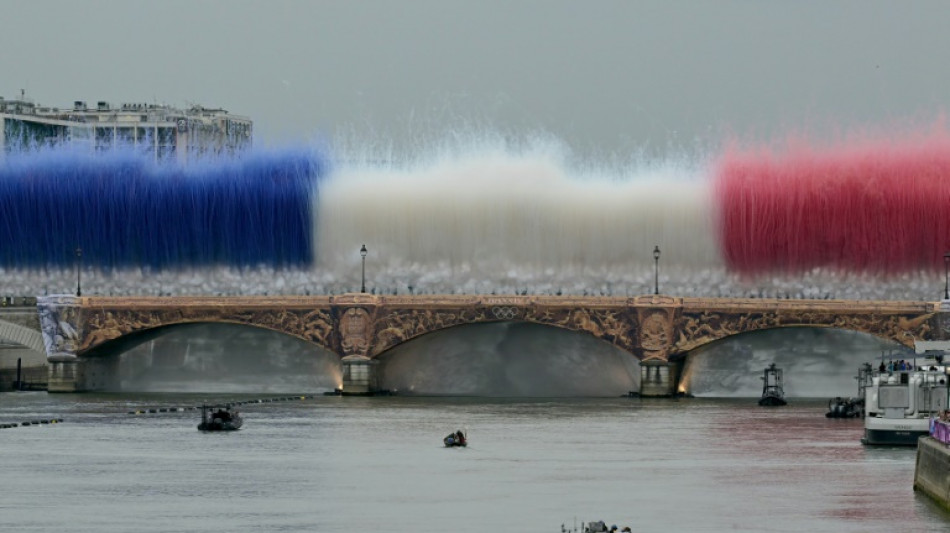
(126, 210)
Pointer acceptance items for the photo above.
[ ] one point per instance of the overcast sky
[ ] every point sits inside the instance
(615, 75)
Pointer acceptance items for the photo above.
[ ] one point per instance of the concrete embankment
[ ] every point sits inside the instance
(932, 473)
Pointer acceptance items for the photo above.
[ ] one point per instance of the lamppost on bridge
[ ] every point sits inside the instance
(78, 271)
(946, 276)
(656, 269)
(363, 253)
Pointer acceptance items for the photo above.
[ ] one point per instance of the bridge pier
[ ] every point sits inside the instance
(80, 375)
(658, 379)
(360, 376)
(66, 375)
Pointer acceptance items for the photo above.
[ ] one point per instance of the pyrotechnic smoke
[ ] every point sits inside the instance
(483, 215)
(126, 211)
(880, 207)
(511, 221)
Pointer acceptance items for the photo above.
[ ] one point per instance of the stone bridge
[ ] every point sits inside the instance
(20, 324)
(658, 330)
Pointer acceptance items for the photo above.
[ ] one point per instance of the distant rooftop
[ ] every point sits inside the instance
(161, 128)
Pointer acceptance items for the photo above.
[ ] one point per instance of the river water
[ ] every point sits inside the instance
(332, 464)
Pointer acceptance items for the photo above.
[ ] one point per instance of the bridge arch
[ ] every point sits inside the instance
(104, 327)
(817, 361)
(25, 336)
(508, 358)
(709, 342)
(696, 329)
(212, 357)
(615, 326)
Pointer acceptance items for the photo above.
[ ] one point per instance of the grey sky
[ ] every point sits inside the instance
(615, 75)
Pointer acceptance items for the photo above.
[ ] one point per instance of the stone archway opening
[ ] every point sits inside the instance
(508, 359)
(817, 362)
(213, 358)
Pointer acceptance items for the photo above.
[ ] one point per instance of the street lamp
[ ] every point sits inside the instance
(363, 253)
(656, 269)
(946, 279)
(78, 271)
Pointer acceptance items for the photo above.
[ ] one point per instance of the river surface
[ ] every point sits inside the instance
(333, 464)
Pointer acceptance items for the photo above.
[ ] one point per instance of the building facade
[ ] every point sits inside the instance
(165, 132)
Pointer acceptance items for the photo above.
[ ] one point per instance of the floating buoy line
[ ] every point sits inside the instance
(51, 421)
(229, 404)
(32, 423)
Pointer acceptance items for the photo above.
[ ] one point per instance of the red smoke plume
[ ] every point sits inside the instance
(872, 206)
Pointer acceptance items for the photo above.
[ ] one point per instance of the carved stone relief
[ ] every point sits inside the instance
(612, 325)
(60, 323)
(696, 329)
(656, 333)
(650, 327)
(398, 326)
(355, 332)
(103, 325)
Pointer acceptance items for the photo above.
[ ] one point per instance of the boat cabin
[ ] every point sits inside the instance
(773, 393)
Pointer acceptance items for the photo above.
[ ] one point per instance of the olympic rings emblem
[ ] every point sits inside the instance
(504, 313)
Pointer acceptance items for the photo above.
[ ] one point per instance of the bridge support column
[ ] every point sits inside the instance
(360, 377)
(80, 375)
(658, 378)
(66, 375)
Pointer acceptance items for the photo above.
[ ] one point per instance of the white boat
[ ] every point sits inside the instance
(899, 404)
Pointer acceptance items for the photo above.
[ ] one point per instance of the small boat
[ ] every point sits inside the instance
(595, 527)
(839, 407)
(220, 418)
(772, 392)
(455, 439)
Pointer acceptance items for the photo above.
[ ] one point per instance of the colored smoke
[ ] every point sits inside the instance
(505, 220)
(877, 207)
(126, 210)
(483, 214)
